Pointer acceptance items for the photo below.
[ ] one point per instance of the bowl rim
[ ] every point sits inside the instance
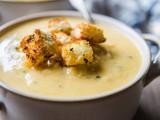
(138, 77)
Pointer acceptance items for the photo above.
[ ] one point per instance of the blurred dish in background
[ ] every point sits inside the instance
(11, 9)
(26, 0)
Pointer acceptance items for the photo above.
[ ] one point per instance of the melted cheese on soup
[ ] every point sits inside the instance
(114, 70)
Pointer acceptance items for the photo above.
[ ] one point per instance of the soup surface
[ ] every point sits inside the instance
(113, 71)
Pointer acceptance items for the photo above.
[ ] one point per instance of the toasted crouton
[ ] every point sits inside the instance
(88, 32)
(59, 24)
(77, 52)
(39, 47)
(62, 38)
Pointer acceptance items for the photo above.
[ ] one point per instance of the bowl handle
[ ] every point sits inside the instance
(154, 70)
(1, 102)
(1, 105)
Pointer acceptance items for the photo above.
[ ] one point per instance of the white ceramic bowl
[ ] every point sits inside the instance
(119, 104)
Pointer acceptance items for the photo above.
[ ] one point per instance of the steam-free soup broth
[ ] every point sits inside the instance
(116, 68)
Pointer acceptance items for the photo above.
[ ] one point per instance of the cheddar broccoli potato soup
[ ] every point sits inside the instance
(66, 57)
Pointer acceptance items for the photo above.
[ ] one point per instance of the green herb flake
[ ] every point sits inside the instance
(34, 82)
(98, 77)
(130, 57)
(120, 67)
(17, 48)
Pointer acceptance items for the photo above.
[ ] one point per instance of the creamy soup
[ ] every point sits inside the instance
(113, 71)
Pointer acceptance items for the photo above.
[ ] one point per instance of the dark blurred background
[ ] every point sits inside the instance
(141, 15)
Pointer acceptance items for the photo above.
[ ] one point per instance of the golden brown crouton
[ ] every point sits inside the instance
(39, 47)
(88, 32)
(77, 52)
(59, 24)
(62, 38)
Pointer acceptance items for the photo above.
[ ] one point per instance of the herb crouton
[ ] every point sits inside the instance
(62, 38)
(88, 32)
(76, 53)
(39, 47)
(59, 24)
